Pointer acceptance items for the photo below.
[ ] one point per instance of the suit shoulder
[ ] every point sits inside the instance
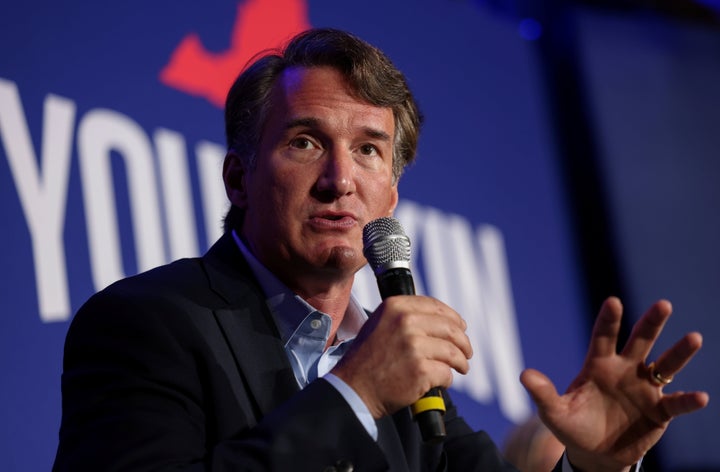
(176, 276)
(164, 291)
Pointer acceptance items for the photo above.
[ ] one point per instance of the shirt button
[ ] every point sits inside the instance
(315, 324)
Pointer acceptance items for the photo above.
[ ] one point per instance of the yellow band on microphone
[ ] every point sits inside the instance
(427, 404)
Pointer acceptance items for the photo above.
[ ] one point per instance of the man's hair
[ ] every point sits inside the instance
(370, 73)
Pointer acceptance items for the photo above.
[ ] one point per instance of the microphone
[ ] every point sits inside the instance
(387, 249)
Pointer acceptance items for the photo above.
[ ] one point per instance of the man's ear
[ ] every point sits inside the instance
(234, 173)
(394, 198)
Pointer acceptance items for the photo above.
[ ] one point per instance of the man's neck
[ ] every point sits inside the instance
(328, 290)
(332, 300)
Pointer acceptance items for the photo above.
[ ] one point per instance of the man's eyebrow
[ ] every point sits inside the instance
(303, 122)
(376, 134)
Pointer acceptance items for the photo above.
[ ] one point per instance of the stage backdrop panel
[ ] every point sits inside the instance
(112, 142)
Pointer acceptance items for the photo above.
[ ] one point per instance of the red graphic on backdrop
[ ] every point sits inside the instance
(259, 25)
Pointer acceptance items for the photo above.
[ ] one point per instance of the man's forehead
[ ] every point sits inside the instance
(295, 78)
(303, 85)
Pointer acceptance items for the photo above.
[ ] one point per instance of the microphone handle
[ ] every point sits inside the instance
(428, 411)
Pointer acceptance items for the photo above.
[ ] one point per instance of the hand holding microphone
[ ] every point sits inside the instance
(410, 345)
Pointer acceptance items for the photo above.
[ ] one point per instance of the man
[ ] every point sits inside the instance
(256, 357)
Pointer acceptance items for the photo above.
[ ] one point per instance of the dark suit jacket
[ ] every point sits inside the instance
(182, 368)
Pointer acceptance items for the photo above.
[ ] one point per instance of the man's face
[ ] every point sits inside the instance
(324, 170)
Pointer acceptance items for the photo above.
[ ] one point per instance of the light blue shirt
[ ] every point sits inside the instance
(304, 332)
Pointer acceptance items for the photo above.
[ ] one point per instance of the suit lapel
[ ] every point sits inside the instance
(249, 328)
(389, 442)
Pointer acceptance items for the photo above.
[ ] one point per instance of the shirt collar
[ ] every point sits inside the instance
(289, 309)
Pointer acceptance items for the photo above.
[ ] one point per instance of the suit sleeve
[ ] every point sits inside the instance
(135, 398)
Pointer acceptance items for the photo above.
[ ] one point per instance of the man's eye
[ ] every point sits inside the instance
(368, 149)
(301, 143)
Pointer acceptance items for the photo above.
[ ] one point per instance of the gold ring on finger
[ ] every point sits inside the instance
(657, 378)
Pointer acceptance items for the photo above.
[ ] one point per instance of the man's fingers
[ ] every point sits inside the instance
(541, 390)
(449, 354)
(423, 305)
(456, 337)
(646, 330)
(607, 326)
(449, 332)
(674, 359)
(421, 349)
(426, 316)
(680, 403)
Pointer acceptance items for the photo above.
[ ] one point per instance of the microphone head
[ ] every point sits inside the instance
(385, 245)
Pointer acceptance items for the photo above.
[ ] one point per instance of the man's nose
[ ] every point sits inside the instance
(337, 175)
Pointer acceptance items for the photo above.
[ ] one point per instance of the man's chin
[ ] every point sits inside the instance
(345, 258)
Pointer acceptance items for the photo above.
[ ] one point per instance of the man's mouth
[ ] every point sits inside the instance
(334, 220)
